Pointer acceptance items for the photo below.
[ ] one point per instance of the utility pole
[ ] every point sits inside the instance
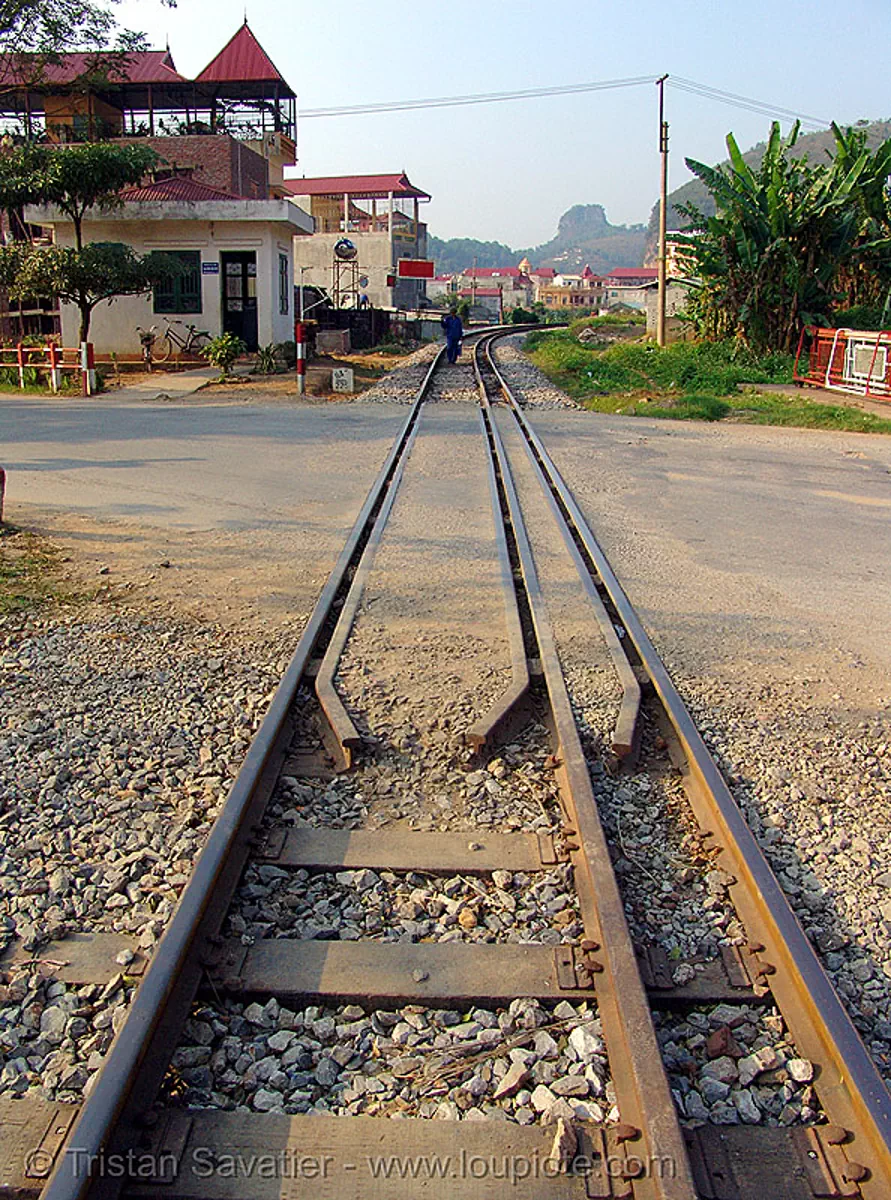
(663, 204)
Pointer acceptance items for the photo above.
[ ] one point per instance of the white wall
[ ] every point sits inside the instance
(113, 326)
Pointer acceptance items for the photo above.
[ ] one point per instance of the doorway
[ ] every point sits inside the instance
(240, 295)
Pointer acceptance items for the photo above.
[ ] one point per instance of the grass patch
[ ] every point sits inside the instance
(609, 321)
(687, 381)
(713, 368)
(29, 572)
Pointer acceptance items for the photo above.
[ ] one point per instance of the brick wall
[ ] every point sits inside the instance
(217, 160)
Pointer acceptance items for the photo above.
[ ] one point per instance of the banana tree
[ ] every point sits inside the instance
(771, 257)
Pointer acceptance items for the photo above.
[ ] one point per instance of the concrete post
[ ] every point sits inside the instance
(87, 368)
(55, 374)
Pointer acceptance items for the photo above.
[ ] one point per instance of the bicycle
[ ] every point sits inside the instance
(194, 340)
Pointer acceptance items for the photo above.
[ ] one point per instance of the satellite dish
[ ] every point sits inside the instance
(345, 250)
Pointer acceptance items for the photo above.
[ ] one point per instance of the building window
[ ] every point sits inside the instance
(283, 286)
(181, 294)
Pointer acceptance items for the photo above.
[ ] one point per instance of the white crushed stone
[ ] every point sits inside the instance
(383, 906)
(121, 735)
(524, 1063)
(734, 1064)
(531, 386)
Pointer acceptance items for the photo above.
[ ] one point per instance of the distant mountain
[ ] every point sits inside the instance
(815, 146)
(456, 254)
(584, 235)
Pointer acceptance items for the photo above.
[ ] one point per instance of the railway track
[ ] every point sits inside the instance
(591, 1000)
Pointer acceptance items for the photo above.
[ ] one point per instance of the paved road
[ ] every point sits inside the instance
(225, 467)
(771, 539)
(737, 534)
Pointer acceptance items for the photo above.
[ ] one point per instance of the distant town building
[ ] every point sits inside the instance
(583, 291)
(518, 286)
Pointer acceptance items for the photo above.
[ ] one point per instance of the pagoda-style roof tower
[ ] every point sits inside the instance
(86, 97)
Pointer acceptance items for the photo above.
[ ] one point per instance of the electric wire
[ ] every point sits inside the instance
(355, 110)
(745, 102)
(690, 86)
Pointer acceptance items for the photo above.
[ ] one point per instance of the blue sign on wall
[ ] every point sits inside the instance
(210, 268)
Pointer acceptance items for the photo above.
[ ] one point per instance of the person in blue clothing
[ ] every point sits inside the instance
(454, 331)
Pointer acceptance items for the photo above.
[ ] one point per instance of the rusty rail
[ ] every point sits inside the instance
(849, 1086)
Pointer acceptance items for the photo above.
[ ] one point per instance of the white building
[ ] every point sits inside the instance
(238, 254)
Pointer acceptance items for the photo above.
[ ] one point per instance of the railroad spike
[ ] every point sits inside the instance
(835, 1135)
(854, 1172)
(626, 1133)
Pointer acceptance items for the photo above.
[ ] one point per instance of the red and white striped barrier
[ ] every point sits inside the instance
(300, 342)
(54, 361)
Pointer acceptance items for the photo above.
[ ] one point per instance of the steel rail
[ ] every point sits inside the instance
(648, 1112)
(508, 708)
(112, 1117)
(625, 732)
(339, 731)
(341, 736)
(849, 1087)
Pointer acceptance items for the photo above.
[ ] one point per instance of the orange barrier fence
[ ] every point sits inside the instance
(52, 360)
(857, 361)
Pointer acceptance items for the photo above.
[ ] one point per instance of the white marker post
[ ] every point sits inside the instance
(87, 368)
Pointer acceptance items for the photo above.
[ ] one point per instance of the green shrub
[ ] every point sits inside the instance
(523, 316)
(713, 368)
(222, 351)
(609, 321)
(267, 363)
(287, 352)
(863, 316)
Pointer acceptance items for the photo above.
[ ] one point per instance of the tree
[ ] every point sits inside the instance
(72, 178)
(784, 233)
(35, 33)
(86, 277)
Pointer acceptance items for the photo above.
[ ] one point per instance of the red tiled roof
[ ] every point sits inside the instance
(633, 273)
(138, 66)
(366, 187)
(492, 272)
(543, 273)
(242, 60)
(177, 187)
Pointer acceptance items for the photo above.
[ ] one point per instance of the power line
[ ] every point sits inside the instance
(355, 110)
(747, 103)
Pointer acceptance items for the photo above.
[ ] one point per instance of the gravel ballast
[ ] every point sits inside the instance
(755, 558)
(121, 737)
(525, 1063)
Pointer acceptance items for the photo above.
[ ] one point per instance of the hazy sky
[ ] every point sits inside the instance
(507, 171)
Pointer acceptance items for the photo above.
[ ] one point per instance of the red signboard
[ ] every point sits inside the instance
(416, 268)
